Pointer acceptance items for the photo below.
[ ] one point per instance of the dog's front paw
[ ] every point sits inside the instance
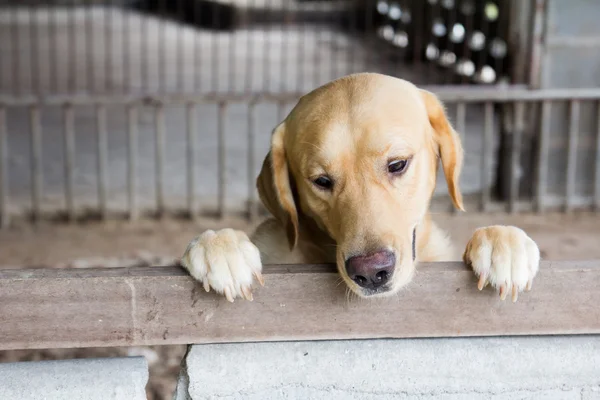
(503, 256)
(226, 261)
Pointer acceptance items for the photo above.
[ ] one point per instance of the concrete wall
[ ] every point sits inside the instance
(89, 379)
(446, 369)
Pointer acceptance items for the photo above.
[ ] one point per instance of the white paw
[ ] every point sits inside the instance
(226, 261)
(505, 257)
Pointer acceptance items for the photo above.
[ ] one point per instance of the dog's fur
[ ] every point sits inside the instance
(350, 130)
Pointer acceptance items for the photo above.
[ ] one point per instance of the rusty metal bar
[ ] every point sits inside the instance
(132, 160)
(4, 215)
(461, 116)
(36, 162)
(574, 112)
(542, 163)
(222, 162)
(486, 155)
(69, 166)
(159, 149)
(515, 155)
(597, 161)
(252, 209)
(102, 160)
(192, 154)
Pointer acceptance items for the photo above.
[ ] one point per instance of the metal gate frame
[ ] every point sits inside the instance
(516, 102)
(521, 98)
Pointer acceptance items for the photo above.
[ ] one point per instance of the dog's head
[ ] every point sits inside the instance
(359, 157)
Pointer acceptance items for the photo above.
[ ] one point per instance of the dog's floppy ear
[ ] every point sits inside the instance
(448, 144)
(274, 187)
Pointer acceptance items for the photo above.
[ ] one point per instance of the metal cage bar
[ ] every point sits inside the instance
(69, 165)
(252, 208)
(596, 201)
(542, 162)
(574, 113)
(36, 161)
(486, 155)
(132, 160)
(4, 214)
(191, 159)
(102, 155)
(159, 156)
(461, 117)
(515, 155)
(222, 161)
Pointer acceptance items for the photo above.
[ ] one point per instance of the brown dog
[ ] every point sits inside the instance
(348, 180)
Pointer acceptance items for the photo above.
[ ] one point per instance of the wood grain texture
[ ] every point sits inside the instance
(64, 308)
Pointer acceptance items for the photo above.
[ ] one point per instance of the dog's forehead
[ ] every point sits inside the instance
(369, 111)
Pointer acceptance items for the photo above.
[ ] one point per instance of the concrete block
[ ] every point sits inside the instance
(591, 393)
(90, 379)
(446, 369)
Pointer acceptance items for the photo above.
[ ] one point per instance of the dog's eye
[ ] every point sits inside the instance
(323, 182)
(397, 166)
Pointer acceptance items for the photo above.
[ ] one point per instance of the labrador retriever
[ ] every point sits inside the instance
(348, 180)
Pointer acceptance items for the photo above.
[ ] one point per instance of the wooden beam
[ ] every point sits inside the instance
(62, 308)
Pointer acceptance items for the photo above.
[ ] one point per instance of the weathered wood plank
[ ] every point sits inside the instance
(59, 308)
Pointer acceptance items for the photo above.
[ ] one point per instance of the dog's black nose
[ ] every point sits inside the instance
(372, 270)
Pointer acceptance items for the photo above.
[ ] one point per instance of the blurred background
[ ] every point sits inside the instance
(129, 126)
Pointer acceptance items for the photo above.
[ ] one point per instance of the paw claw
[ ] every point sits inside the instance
(259, 278)
(503, 292)
(482, 282)
(515, 293)
(529, 283)
(206, 285)
(247, 293)
(228, 295)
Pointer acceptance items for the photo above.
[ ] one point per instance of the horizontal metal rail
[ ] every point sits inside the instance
(500, 94)
(568, 198)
